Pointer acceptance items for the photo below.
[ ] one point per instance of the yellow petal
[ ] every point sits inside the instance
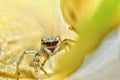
(22, 25)
(92, 21)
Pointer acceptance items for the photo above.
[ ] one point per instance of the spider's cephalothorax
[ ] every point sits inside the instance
(49, 47)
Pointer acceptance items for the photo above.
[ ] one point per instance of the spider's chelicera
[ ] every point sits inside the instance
(49, 47)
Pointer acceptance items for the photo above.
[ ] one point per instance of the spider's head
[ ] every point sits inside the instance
(50, 41)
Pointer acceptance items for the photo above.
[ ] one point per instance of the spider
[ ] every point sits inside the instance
(49, 47)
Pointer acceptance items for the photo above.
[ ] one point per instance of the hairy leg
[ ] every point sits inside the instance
(18, 63)
(38, 63)
(41, 67)
(20, 60)
(35, 68)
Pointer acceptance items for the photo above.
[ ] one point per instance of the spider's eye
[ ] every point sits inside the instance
(41, 40)
(55, 42)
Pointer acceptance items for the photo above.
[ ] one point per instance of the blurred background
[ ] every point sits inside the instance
(93, 24)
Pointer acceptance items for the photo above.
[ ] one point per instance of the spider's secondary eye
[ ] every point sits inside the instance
(41, 40)
(48, 43)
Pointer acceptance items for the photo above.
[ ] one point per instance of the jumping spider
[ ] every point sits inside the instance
(49, 47)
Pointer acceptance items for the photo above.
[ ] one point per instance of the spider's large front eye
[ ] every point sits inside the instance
(56, 42)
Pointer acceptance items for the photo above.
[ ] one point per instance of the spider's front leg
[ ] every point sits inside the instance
(20, 60)
(66, 43)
